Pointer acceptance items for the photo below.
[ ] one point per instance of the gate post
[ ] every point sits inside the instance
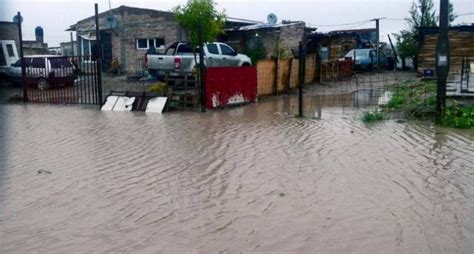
(19, 19)
(99, 55)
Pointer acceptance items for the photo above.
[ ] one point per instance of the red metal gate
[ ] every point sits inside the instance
(227, 86)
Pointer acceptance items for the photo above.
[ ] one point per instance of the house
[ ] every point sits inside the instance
(9, 31)
(136, 31)
(36, 47)
(335, 44)
(276, 40)
(68, 48)
(461, 44)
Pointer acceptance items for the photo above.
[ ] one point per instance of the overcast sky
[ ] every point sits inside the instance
(55, 16)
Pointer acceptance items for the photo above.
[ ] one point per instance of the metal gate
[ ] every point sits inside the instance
(61, 79)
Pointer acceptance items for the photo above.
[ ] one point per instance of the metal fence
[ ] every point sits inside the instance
(59, 79)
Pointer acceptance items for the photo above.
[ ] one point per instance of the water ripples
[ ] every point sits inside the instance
(248, 179)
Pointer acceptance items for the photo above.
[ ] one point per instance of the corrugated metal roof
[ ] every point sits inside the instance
(263, 26)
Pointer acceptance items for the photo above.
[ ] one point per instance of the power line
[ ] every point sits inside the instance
(464, 14)
(346, 24)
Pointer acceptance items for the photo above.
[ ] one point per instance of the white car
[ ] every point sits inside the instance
(179, 59)
(43, 71)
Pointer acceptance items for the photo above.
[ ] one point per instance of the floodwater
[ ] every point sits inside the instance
(251, 179)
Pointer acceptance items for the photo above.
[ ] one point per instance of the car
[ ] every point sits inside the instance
(365, 59)
(44, 71)
(178, 59)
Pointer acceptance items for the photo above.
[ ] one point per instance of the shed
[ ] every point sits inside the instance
(461, 44)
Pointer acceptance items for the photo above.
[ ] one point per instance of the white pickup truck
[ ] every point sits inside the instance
(178, 59)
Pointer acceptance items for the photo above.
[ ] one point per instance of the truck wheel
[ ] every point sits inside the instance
(42, 84)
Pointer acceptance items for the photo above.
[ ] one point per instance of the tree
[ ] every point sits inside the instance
(200, 15)
(422, 14)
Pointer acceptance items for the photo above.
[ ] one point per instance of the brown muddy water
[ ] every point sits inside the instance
(245, 180)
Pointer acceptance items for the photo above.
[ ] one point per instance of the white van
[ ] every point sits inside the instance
(8, 56)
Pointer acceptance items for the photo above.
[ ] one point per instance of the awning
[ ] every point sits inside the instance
(89, 37)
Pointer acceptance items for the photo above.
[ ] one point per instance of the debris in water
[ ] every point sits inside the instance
(282, 194)
(44, 172)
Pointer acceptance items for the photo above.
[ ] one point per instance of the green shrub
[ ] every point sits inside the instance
(458, 116)
(158, 87)
(256, 53)
(370, 117)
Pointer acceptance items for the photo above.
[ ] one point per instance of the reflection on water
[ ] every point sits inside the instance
(248, 179)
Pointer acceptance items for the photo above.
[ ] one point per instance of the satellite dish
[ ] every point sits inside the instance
(272, 19)
(17, 19)
(111, 21)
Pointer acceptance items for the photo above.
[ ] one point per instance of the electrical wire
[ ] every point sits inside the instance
(346, 24)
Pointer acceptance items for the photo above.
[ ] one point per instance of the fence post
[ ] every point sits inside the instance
(202, 71)
(288, 78)
(19, 19)
(442, 59)
(99, 55)
(301, 74)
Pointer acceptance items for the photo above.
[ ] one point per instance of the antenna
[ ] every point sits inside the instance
(110, 21)
(272, 19)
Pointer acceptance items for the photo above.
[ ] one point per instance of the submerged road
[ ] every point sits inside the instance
(244, 180)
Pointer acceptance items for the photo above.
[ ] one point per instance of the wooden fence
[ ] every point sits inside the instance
(270, 83)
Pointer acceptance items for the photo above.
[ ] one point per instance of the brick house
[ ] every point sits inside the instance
(283, 37)
(137, 31)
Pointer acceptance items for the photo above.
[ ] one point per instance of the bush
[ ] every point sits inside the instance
(256, 53)
(370, 117)
(458, 116)
(158, 87)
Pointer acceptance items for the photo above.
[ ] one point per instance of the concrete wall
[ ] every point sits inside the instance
(66, 49)
(9, 31)
(34, 48)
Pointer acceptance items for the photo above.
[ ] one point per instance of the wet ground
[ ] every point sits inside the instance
(252, 179)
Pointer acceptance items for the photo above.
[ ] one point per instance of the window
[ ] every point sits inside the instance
(212, 48)
(142, 44)
(2, 57)
(17, 63)
(10, 50)
(38, 63)
(158, 43)
(226, 50)
(59, 62)
(184, 49)
(27, 62)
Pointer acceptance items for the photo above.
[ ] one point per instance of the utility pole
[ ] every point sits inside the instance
(377, 41)
(442, 59)
(72, 45)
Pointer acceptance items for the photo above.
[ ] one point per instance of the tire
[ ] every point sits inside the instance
(42, 84)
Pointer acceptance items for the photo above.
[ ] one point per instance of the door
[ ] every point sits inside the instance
(9, 53)
(214, 59)
(106, 40)
(229, 56)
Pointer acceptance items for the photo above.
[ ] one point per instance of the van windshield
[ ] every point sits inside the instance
(59, 62)
(359, 53)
